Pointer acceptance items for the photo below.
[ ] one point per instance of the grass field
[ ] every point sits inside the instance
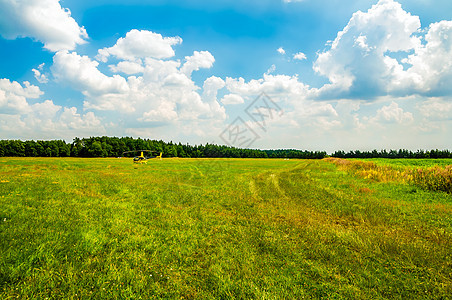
(218, 229)
(412, 162)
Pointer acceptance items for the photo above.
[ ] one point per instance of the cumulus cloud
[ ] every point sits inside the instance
(82, 74)
(157, 70)
(165, 112)
(272, 85)
(210, 94)
(43, 20)
(138, 44)
(231, 99)
(361, 61)
(212, 85)
(319, 110)
(431, 71)
(357, 64)
(159, 92)
(292, 95)
(13, 96)
(48, 120)
(436, 109)
(392, 113)
(281, 50)
(161, 89)
(299, 56)
(40, 77)
(20, 119)
(127, 67)
(210, 90)
(271, 69)
(199, 59)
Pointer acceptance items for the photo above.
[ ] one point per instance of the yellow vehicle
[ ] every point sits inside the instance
(141, 159)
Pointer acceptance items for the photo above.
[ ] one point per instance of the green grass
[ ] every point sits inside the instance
(217, 228)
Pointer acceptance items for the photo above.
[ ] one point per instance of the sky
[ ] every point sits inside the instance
(309, 74)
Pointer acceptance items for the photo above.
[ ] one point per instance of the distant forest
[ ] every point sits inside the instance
(115, 147)
(394, 154)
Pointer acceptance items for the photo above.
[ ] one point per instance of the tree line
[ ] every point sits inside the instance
(115, 147)
(402, 153)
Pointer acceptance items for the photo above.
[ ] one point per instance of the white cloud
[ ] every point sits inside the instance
(271, 69)
(212, 85)
(202, 59)
(347, 111)
(47, 120)
(157, 70)
(71, 119)
(41, 78)
(39, 75)
(431, 71)
(210, 93)
(127, 67)
(160, 92)
(361, 42)
(177, 80)
(281, 86)
(231, 99)
(82, 74)
(435, 117)
(299, 56)
(281, 51)
(20, 119)
(43, 20)
(319, 110)
(210, 90)
(140, 44)
(13, 97)
(357, 64)
(45, 110)
(291, 95)
(313, 116)
(392, 114)
(28, 91)
(360, 62)
(436, 109)
(165, 112)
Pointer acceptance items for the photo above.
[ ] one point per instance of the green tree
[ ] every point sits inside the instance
(96, 149)
(48, 152)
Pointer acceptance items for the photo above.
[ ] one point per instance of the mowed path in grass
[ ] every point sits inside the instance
(217, 228)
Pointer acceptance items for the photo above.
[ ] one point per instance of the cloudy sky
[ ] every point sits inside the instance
(335, 74)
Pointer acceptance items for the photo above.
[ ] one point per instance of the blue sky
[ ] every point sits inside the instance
(341, 74)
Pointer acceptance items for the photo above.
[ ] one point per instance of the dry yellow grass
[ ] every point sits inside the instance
(434, 178)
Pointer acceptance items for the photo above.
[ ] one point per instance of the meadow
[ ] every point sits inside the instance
(73, 228)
